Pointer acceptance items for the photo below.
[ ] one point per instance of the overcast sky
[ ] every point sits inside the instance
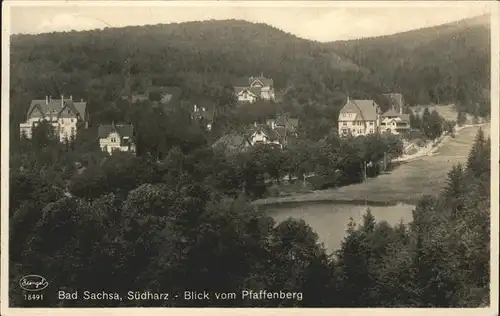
(315, 21)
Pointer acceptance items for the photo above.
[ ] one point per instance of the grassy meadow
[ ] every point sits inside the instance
(406, 183)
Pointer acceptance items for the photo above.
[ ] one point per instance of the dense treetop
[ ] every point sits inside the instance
(443, 64)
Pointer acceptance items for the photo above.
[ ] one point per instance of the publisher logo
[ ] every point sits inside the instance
(33, 283)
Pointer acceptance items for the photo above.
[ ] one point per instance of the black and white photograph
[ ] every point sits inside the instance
(249, 155)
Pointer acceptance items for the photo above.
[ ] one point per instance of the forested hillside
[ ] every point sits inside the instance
(194, 55)
(444, 64)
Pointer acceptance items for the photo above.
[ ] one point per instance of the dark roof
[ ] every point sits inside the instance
(56, 108)
(281, 131)
(405, 117)
(232, 142)
(288, 122)
(124, 130)
(271, 134)
(393, 113)
(366, 109)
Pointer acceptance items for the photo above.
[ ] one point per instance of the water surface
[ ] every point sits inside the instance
(329, 220)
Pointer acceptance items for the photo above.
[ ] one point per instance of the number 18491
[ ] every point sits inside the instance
(33, 297)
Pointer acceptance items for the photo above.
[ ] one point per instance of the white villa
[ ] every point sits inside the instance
(394, 121)
(254, 88)
(114, 138)
(63, 114)
(359, 117)
(263, 134)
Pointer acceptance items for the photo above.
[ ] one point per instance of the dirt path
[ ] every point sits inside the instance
(407, 183)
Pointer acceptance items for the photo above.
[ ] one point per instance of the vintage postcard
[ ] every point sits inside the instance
(265, 155)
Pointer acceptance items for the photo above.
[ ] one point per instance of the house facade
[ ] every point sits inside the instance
(359, 117)
(285, 127)
(255, 88)
(247, 94)
(264, 134)
(394, 120)
(205, 114)
(65, 116)
(114, 138)
(395, 123)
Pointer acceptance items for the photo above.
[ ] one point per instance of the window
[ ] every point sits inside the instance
(371, 131)
(113, 140)
(371, 123)
(345, 124)
(360, 131)
(72, 131)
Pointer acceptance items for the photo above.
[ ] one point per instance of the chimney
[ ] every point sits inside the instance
(400, 104)
(255, 124)
(262, 75)
(50, 98)
(71, 97)
(62, 100)
(46, 99)
(347, 98)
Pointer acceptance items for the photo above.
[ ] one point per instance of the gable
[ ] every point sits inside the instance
(36, 111)
(366, 110)
(247, 91)
(67, 111)
(257, 83)
(259, 133)
(113, 134)
(56, 109)
(123, 131)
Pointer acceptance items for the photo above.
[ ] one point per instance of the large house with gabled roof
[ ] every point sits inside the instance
(394, 120)
(359, 117)
(264, 134)
(116, 137)
(285, 126)
(65, 116)
(252, 89)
